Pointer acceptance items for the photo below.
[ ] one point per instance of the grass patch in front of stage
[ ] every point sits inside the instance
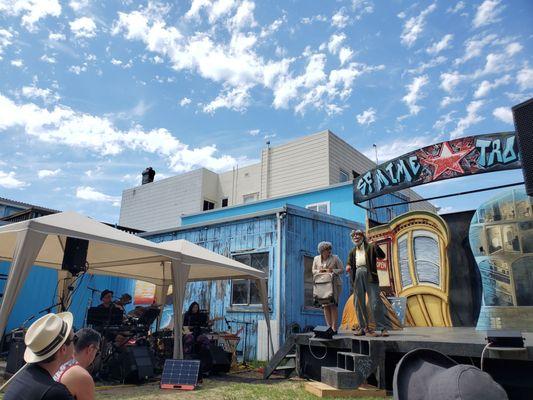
(229, 387)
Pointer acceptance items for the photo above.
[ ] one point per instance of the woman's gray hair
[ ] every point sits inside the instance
(324, 246)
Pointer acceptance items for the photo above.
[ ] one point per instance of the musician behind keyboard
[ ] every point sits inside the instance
(198, 323)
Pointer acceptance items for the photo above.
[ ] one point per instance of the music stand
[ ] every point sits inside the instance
(98, 316)
(149, 316)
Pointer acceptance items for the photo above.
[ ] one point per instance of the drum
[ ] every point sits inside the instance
(229, 342)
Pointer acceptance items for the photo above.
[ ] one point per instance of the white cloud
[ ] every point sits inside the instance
(238, 67)
(335, 42)
(414, 26)
(315, 18)
(367, 117)
(471, 118)
(339, 19)
(90, 194)
(8, 180)
(31, 10)
(474, 46)
(443, 121)
(446, 209)
(253, 132)
(458, 7)
(185, 101)
(273, 27)
(485, 87)
(441, 45)
(414, 93)
(56, 36)
(487, 13)
(244, 17)
(362, 7)
(513, 48)
(5, 40)
(114, 61)
(77, 69)
(213, 9)
(499, 62)
(524, 78)
(449, 80)
(78, 5)
(345, 55)
(62, 125)
(48, 59)
(388, 150)
(83, 27)
(447, 100)
(17, 63)
(47, 173)
(33, 92)
(434, 62)
(503, 114)
(236, 99)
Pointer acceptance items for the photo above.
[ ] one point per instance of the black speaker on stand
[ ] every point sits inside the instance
(75, 256)
(523, 122)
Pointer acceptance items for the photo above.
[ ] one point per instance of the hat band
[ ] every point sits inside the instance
(59, 338)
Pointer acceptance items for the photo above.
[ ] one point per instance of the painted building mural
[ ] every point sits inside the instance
(501, 237)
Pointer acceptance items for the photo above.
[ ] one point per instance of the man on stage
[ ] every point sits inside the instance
(361, 266)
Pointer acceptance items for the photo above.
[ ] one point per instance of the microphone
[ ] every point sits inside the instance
(227, 323)
(93, 289)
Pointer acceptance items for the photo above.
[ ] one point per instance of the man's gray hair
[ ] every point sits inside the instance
(355, 231)
(324, 246)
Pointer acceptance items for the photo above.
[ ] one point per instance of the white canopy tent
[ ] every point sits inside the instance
(41, 241)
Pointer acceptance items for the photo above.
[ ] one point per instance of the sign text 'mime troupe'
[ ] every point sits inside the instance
(455, 158)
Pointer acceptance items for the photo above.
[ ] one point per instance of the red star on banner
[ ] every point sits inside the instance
(447, 160)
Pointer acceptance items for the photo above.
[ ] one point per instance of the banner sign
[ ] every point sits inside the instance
(452, 159)
(144, 293)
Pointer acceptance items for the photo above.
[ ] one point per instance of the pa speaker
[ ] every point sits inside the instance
(323, 332)
(499, 338)
(523, 122)
(221, 360)
(15, 358)
(133, 365)
(75, 256)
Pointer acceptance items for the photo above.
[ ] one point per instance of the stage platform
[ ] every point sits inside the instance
(512, 368)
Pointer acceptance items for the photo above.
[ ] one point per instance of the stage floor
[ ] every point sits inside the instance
(460, 341)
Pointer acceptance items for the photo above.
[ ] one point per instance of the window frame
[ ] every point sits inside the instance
(255, 197)
(268, 254)
(343, 172)
(208, 201)
(320, 203)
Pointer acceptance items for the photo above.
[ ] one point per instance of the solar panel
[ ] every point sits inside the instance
(180, 374)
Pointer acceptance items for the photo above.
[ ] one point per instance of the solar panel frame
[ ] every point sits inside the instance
(180, 374)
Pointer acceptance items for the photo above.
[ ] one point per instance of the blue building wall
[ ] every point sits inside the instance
(38, 293)
(339, 196)
(301, 230)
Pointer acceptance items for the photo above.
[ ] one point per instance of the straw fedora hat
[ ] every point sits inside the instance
(46, 335)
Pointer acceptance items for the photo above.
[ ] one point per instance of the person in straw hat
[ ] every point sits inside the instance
(49, 344)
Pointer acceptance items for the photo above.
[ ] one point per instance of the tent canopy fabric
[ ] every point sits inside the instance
(41, 241)
(117, 253)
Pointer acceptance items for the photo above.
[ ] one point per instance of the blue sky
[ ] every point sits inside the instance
(91, 93)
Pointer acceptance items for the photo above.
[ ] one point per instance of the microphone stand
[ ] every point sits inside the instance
(89, 304)
(244, 347)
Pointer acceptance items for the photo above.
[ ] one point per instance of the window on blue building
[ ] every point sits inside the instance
(245, 291)
(344, 176)
(319, 207)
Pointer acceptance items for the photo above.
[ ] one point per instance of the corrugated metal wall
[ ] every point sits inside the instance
(38, 293)
(301, 231)
(250, 235)
(304, 230)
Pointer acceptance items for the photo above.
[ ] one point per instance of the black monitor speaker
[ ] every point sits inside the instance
(523, 122)
(134, 364)
(75, 256)
(323, 332)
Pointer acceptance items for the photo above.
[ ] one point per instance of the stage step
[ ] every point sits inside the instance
(285, 355)
(360, 364)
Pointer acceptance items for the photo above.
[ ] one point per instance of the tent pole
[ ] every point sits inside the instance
(180, 275)
(26, 250)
